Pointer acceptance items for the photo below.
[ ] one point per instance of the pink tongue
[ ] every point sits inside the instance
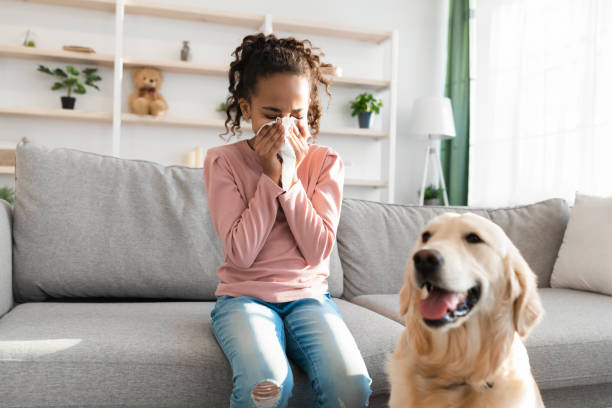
(434, 307)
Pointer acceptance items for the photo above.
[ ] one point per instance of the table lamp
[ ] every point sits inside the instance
(433, 116)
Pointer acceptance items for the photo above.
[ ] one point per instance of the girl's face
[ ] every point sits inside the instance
(277, 95)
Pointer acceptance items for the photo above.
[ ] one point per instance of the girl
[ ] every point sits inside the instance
(272, 299)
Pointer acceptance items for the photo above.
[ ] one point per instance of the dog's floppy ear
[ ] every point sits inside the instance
(527, 307)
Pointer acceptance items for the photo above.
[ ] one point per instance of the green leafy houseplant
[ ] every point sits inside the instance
(69, 79)
(365, 102)
(432, 191)
(8, 194)
(222, 107)
(364, 106)
(27, 42)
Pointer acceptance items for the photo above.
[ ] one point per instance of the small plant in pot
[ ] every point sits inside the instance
(7, 194)
(222, 108)
(69, 79)
(364, 105)
(432, 195)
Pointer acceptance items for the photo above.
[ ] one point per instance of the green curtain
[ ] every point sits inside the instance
(455, 152)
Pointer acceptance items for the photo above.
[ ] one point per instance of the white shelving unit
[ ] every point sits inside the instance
(257, 22)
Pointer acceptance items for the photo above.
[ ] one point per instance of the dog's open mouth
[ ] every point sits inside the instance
(439, 306)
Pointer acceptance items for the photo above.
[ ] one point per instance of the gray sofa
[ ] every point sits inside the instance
(107, 278)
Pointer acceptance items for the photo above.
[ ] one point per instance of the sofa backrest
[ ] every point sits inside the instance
(376, 239)
(88, 225)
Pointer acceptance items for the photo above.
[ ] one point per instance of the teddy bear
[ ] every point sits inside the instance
(146, 100)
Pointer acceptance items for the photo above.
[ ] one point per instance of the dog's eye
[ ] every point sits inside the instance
(425, 236)
(473, 238)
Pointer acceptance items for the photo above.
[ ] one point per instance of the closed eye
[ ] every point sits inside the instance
(473, 238)
(274, 117)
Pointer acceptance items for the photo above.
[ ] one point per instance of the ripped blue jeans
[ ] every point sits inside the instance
(254, 335)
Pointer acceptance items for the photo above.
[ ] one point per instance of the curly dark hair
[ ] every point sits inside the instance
(260, 55)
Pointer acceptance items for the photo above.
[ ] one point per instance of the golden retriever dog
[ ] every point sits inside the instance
(469, 300)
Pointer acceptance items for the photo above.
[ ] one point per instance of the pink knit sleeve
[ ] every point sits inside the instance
(242, 229)
(314, 222)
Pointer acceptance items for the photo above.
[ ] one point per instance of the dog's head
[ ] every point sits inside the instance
(464, 267)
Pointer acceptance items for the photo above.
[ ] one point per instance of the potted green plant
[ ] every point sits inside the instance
(222, 107)
(27, 42)
(364, 105)
(432, 195)
(8, 194)
(69, 79)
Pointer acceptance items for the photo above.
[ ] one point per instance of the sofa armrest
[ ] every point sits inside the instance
(6, 257)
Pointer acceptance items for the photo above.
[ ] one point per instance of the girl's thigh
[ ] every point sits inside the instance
(319, 341)
(252, 337)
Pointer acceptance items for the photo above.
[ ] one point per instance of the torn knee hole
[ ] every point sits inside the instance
(266, 394)
(265, 390)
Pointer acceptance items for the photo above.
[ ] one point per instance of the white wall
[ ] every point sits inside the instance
(422, 43)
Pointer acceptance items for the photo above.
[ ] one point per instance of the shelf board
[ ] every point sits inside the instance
(249, 20)
(178, 12)
(56, 55)
(7, 169)
(100, 5)
(360, 34)
(171, 121)
(171, 11)
(164, 120)
(218, 70)
(219, 124)
(354, 132)
(365, 183)
(184, 67)
(348, 82)
(47, 113)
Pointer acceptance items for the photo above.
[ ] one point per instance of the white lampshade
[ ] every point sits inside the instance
(433, 116)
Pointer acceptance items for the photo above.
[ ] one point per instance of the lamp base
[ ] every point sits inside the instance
(433, 150)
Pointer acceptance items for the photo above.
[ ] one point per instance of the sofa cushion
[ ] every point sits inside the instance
(596, 396)
(148, 354)
(89, 225)
(585, 259)
(387, 305)
(375, 239)
(570, 347)
(6, 257)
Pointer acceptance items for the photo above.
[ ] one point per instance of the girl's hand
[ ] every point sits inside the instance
(297, 138)
(267, 144)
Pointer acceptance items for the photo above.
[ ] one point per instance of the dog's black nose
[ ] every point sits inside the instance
(427, 261)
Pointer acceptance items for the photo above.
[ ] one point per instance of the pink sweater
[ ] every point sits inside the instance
(276, 243)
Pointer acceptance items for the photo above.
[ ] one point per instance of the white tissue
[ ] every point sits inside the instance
(286, 152)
